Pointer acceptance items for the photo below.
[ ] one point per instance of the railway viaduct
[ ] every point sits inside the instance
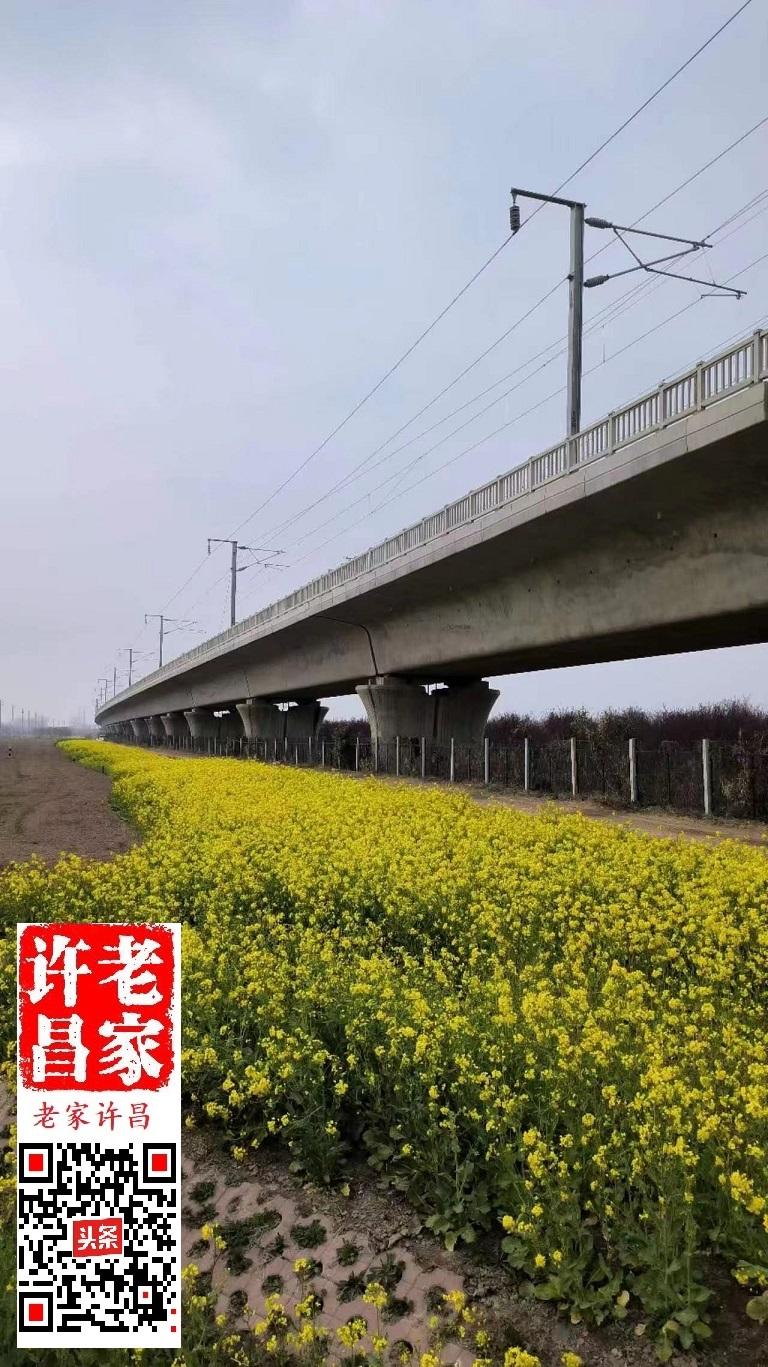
(645, 534)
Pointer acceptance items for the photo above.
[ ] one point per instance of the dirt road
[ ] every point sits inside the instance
(651, 820)
(49, 805)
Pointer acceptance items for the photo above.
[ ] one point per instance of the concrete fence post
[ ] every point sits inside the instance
(397, 756)
(376, 755)
(527, 764)
(706, 769)
(574, 768)
(633, 770)
(322, 753)
(296, 753)
(453, 760)
(423, 757)
(285, 748)
(309, 750)
(357, 754)
(486, 760)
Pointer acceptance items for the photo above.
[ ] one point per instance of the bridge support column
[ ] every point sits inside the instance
(303, 720)
(175, 725)
(261, 720)
(397, 707)
(140, 729)
(156, 728)
(202, 724)
(462, 710)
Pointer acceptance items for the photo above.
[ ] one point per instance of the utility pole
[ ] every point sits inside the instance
(577, 284)
(128, 650)
(162, 620)
(575, 294)
(114, 681)
(235, 568)
(105, 682)
(575, 317)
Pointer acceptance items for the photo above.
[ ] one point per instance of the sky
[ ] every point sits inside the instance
(221, 223)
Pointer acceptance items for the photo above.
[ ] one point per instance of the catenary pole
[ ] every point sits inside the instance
(575, 318)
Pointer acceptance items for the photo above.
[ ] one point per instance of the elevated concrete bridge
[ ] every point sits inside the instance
(645, 534)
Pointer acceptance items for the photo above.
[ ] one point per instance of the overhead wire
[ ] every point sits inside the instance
(369, 462)
(518, 417)
(594, 324)
(606, 142)
(627, 300)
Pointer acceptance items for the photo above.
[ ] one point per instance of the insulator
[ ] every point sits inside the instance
(514, 217)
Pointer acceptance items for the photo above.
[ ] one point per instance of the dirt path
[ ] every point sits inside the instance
(49, 805)
(651, 820)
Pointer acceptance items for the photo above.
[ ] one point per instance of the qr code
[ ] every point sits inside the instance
(98, 1237)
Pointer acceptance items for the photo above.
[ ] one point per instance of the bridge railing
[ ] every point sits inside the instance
(740, 365)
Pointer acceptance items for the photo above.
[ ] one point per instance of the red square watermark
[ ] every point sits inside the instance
(95, 1005)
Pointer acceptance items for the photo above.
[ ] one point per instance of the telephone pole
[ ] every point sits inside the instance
(235, 568)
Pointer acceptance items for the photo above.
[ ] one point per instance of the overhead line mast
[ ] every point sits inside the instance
(577, 284)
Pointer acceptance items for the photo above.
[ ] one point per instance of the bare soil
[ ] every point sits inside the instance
(49, 806)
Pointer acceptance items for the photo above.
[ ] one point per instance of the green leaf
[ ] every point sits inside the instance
(685, 1316)
(757, 1308)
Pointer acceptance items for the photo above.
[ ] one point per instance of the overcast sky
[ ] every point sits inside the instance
(222, 222)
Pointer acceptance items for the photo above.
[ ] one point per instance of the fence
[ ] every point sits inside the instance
(712, 778)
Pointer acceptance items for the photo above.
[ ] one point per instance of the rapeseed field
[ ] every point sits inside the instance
(543, 1026)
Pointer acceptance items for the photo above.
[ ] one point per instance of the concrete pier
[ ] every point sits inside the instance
(175, 726)
(156, 728)
(261, 720)
(461, 712)
(396, 707)
(202, 723)
(140, 729)
(303, 720)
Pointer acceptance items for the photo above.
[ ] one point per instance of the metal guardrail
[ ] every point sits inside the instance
(741, 365)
